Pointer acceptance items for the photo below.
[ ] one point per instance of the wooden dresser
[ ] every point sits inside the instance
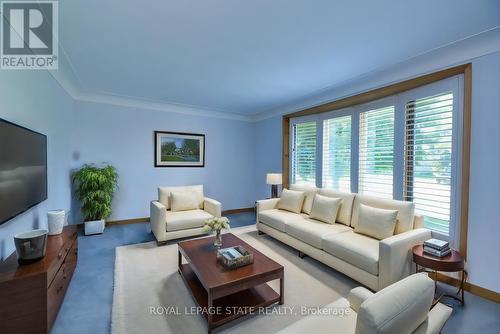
(30, 295)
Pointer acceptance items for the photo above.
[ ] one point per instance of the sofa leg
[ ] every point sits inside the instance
(261, 233)
(302, 255)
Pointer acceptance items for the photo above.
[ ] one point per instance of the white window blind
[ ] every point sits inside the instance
(428, 154)
(336, 171)
(304, 153)
(376, 152)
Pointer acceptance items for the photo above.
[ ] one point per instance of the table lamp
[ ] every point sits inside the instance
(274, 179)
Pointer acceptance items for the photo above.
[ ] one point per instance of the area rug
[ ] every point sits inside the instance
(151, 297)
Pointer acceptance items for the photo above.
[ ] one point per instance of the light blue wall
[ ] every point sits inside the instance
(268, 138)
(123, 137)
(35, 100)
(484, 210)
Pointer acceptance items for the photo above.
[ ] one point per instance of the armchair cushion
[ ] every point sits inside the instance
(164, 194)
(376, 223)
(291, 200)
(183, 200)
(182, 220)
(309, 192)
(357, 249)
(325, 208)
(399, 308)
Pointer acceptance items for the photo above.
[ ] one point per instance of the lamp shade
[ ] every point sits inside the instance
(273, 178)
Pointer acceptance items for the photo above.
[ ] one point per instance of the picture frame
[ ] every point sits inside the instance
(179, 149)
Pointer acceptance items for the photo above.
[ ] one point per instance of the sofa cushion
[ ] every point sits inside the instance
(291, 200)
(183, 200)
(345, 210)
(309, 192)
(325, 208)
(406, 211)
(357, 249)
(376, 223)
(183, 220)
(312, 231)
(398, 308)
(277, 218)
(164, 194)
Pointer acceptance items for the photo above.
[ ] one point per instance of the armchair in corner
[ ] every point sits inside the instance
(181, 212)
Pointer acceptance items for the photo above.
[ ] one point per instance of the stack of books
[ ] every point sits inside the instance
(437, 247)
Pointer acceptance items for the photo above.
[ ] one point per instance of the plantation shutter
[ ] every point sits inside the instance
(304, 153)
(376, 152)
(336, 172)
(428, 154)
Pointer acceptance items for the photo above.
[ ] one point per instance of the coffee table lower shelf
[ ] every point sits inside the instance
(232, 306)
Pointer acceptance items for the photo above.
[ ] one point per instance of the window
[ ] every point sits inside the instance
(304, 153)
(337, 153)
(376, 152)
(403, 147)
(428, 158)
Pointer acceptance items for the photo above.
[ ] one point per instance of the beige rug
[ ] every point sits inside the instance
(151, 297)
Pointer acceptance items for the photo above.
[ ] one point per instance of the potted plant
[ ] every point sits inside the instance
(217, 224)
(95, 187)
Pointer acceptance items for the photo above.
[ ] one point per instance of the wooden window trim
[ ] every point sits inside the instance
(376, 94)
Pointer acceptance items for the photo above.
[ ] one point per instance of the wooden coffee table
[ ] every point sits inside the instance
(225, 295)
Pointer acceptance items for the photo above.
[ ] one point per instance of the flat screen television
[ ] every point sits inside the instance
(23, 169)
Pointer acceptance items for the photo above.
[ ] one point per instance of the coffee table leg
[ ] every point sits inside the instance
(282, 290)
(179, 261)
(209, 314)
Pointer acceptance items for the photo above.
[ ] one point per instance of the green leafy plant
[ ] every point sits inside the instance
(95, 187)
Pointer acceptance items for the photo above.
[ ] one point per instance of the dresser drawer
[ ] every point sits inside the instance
(56, 291)
(58, 260)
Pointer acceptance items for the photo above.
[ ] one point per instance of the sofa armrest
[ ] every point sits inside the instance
(436, 319)
(212, 206)
(158, 220)
(357, 296)
(265, 204)
(395, 255)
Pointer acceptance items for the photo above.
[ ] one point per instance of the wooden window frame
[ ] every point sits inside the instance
(378, 93)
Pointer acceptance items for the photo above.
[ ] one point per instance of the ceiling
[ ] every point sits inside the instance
(246, 57)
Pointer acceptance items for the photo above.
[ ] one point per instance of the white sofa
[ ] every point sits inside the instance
(400, 308)
(168, 225)
(372, 262)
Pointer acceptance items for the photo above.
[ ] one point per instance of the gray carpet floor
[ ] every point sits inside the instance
(87, 305)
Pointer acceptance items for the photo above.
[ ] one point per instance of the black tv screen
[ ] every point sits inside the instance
(23, 169)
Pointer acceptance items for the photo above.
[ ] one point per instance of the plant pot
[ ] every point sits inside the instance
(30, 246)
(94, 227)
(55, 220)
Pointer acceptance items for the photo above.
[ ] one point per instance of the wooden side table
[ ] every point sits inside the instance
(454, 262)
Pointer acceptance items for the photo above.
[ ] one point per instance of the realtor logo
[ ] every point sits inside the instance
(29, 35)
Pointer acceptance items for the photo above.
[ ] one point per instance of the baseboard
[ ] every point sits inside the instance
(127, 221)
(474, 289)
(241, 210)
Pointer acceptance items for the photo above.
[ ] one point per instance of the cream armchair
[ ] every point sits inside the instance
(187, 219)
(403, 307)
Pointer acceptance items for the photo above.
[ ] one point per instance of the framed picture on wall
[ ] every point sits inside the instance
(178, 149)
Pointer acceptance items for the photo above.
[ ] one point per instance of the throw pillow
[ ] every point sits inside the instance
(325, 208)
(183, 200)
(291, 200)
(309, 192)
(375, 222)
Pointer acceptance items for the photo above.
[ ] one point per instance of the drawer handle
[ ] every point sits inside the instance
(59, 255)
(59, 289)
